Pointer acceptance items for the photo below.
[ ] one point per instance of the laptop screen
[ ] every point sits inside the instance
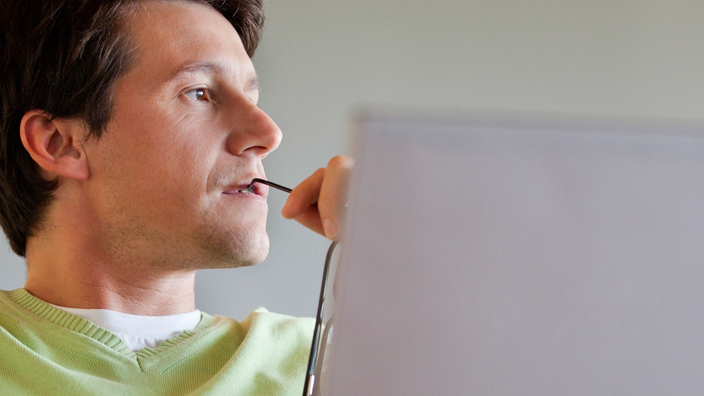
(495, 256)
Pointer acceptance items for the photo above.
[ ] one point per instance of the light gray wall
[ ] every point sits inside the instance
(320, 59)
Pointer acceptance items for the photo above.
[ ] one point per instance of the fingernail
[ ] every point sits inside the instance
(330, 228)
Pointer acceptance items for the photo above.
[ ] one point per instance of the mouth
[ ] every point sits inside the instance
(249, 189)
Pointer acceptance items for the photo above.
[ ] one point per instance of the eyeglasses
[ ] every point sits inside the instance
(324, 319)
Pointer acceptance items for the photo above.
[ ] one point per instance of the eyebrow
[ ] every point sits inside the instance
(251, 84)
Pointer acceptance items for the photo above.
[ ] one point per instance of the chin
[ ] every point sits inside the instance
(251, 256)
(233, 249)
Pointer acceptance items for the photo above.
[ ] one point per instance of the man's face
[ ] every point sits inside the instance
(186, 136)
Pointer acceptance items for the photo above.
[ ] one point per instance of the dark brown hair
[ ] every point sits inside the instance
(63, 57)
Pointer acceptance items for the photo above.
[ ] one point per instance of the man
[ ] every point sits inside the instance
(129, 134)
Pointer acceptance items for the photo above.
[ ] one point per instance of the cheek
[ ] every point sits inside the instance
(186, 155)
(173, 145)
(154, 164)
(163, 152)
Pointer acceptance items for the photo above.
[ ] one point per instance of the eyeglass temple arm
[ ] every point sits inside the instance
(309, 384)
(268, 183)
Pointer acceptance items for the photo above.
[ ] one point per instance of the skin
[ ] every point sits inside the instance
(156, 198)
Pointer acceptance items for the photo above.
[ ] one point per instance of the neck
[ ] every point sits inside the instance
(62, 272)
(154, 297)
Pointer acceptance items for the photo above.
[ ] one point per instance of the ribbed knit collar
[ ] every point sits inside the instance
(85, 327)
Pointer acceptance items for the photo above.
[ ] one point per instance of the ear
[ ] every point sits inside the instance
(55, 144)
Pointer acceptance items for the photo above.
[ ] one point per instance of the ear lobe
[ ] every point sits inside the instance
(55, 144)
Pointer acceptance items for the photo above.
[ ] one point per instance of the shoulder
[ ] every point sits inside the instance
(11, 312)
(274, 348)
(266, 330)
(278, 325)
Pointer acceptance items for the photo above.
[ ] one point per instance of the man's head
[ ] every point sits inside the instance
(144, 112)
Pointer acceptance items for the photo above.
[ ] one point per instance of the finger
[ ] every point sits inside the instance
(310, 218)
(304, 195)
(333, 195)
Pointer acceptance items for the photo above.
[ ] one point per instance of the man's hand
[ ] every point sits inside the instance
(318, 202)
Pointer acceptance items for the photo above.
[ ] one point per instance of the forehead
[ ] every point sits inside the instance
(170, 35)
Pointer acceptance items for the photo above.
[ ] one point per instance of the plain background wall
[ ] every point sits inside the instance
(321, 59)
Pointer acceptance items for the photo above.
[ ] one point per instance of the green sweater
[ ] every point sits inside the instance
(47, 351)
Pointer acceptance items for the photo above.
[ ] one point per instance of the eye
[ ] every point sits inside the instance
(199, 94)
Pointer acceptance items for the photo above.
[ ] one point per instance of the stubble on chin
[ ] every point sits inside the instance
(227, 248)
(212, 242)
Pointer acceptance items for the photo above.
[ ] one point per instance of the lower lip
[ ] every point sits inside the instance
(243, 195)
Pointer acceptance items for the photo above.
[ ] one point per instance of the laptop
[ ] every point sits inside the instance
(518, 255)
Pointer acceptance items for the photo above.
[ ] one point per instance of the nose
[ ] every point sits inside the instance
(252, 131)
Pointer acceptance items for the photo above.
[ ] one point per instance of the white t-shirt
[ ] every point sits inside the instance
(138, 331)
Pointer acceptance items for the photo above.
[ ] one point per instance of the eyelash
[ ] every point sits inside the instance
(203, 95)
(199, 94)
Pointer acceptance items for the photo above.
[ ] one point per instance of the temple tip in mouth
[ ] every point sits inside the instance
(250, 187)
